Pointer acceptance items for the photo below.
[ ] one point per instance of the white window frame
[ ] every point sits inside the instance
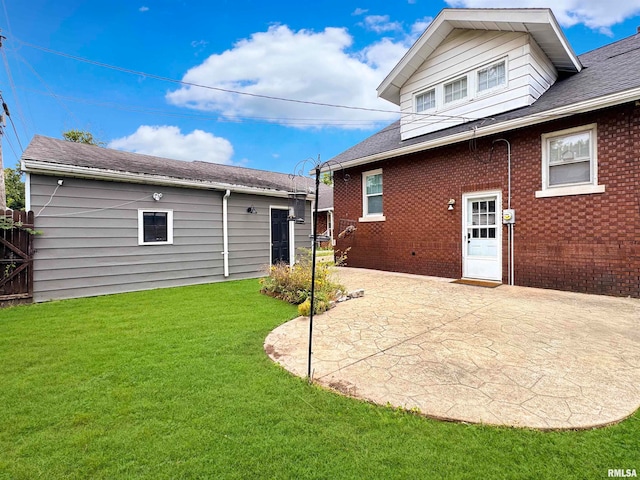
(366, 216)
(487, 67)
(466, 97)
(583, 188)
(141, 212)
(424, 92)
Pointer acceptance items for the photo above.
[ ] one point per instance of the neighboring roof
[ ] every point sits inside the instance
(57, 157)
(609, 77)
(538, 22)
(325, 197)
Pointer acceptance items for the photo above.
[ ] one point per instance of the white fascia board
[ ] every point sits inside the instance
(47, 168)
(542, 117)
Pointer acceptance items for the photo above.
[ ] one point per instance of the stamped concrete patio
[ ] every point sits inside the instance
(507, 356)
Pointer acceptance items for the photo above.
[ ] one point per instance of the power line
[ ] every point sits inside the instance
(6, 111)
(226, 90)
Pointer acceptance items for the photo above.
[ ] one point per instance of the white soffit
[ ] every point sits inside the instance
(540, 23)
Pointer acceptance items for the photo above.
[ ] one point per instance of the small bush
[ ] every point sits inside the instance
(293, 284)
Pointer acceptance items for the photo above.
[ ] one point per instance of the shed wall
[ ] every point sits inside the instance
(89, 244)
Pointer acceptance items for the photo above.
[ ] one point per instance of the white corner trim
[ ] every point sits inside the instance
(27, 192)
(572, 190)
(373, 218)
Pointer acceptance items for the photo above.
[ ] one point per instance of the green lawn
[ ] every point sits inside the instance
(174, 383)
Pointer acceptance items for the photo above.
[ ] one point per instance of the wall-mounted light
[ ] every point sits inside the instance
(450, 204)
(157, 196)
(60, 182)
(252, 209)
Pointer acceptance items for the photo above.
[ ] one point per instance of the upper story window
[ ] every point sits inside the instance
(456, 90)
(570, 162)
(372, 196)
(426, 101)
(492, 77)
(155, 227)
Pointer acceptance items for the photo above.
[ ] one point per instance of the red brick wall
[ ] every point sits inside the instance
(584, 243)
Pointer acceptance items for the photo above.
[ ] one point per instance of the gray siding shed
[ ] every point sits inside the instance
(89, 245)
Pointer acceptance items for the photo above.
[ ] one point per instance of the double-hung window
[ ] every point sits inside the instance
(372, 195)
(570, 162)
(155, 227)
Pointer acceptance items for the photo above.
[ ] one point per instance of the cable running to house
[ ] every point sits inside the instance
(226, 90)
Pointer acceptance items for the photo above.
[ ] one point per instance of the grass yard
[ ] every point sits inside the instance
(174, 383)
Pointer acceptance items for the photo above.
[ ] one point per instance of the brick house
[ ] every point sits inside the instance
(514, 159)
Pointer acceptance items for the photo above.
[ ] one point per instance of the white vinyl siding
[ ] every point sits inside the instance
(570, 162)
(528, 73)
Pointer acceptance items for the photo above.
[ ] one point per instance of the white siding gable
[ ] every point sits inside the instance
(528, 74)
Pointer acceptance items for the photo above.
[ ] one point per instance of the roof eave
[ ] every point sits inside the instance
(49, 168)
(526, 121)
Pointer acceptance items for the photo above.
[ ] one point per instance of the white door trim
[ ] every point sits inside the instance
(465, 205)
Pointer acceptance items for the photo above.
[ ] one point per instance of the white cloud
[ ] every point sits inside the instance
(143, 9)
(167, 141)
(381, 24)
(304, 65)
(595, 14)
(359, 11)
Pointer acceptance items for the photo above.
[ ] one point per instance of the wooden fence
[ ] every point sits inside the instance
(16, 256)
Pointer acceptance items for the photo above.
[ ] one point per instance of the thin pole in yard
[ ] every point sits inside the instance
(313, 268)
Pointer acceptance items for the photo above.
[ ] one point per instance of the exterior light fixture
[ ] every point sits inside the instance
(451, 203)
(157, 196)
(252, 209)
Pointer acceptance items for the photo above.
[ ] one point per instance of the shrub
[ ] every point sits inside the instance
(293, 284)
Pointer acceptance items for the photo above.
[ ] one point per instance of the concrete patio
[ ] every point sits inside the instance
(513, 356)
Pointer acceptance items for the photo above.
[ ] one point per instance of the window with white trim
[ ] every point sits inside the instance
(372, 193)
(456, 90)
(492, 76)
(570, 162)
(155, 227)
(426, 101)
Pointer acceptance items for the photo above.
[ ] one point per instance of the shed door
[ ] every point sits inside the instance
(279, 236)
(481, 251)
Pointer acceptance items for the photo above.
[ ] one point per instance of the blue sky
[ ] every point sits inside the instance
(328, 52)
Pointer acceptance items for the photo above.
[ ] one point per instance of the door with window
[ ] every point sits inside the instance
(279, 236)
(482, 242)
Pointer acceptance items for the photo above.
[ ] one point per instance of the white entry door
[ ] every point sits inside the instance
(482, 242)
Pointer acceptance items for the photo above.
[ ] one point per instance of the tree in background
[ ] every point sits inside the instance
(15, 188)
(80, 136)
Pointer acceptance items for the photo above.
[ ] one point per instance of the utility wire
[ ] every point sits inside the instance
(51, 92)
(6, 111)
(226, 90)
(13, 85)
(9, 142)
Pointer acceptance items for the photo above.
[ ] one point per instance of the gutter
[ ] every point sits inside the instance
(534, 119)
(225, 232)
(48, 168)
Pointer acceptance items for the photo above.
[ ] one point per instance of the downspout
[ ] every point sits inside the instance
(225, 232)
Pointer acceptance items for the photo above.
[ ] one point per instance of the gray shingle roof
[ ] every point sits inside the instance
(607, 70)
(62, 152)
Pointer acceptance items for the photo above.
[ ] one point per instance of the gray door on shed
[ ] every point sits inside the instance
(279, 236)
